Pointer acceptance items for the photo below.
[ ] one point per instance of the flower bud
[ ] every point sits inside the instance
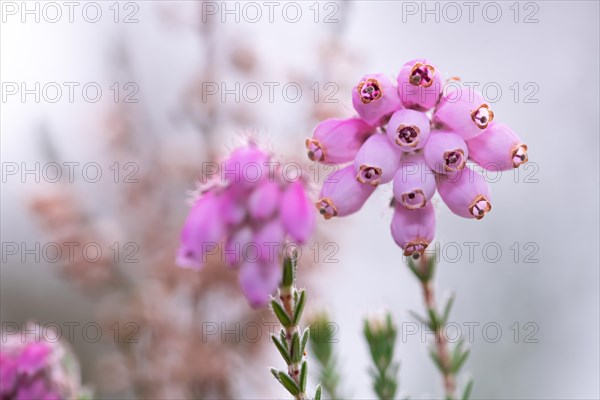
(446, 152)
(377, 160)
(235, 248)
(414, 183)
(269, 239)
(233, 212)
(465, 112)
(297, 213)
(375, 98)
(466, 193)
(203, 226)
(264, 200)
(246, 166)
(337, 140)
(413, 230)
(408, 129)
(419, 85)
(498, 148)
(342, 194)
(258, 281)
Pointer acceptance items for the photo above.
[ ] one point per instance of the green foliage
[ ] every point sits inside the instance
(381, 338)
(321, 344)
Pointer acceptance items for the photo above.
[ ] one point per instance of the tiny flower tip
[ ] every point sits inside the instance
(369, 90)
(421, 75)
(519, 155)
(414, 199)
(407, 135)
(482, 116)
(315, 150)
(480, 207)
(454, 160)
(326, 208)
(369, 174)
(416, 249)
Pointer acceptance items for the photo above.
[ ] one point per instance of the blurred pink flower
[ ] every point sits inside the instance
(248, 217)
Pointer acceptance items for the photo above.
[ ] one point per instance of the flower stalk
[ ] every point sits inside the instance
(449, 362)
(292, 340)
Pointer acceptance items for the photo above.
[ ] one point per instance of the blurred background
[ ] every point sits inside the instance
(109, 110)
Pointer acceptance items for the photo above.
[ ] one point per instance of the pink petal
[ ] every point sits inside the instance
(466, 193)
(414, 183)
(446, 152)
(377, 160)
(264, 200)
(424, 94)
(498, 148)
(203, 229)
(465, 112)
(297, 213)
(342, 194)
(408, 129)
(413, 230)
(337, 140)
(259, 281)
(375, 98)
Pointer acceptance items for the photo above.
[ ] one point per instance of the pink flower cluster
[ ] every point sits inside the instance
(418, 136)
(253, 211)
(36, 369)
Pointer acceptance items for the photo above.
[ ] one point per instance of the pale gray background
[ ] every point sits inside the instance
(559, 212)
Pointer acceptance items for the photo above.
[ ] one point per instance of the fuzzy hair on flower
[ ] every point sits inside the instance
(248, 214)
(420, 138)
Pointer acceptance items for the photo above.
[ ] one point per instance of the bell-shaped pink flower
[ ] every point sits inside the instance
(297, 212)
(445, 152)
(233, 210)
(466, 193)
(377, 160)
(264, 200)
(337, 140)
(245, 167)
(342, 194)
(498, 148)
(414, 183)
(408, 129)
(203, 227)
(465, 112)
(237, 249)
(419, 85)
(413, 230)
(269, 239)
(375, 98)
(258, 281)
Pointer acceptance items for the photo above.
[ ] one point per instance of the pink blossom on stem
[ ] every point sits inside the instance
(337, 140)
(414, 183)
(413, 230)
(408, 129)
(375, 98)
(264, 200)
(466, 193)
(297, 212)
(465, 112)
(377, 160)
(498, 148)
(258, 280)
(342, 194)
(204, 226)
(446, 152)
(419, 85)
